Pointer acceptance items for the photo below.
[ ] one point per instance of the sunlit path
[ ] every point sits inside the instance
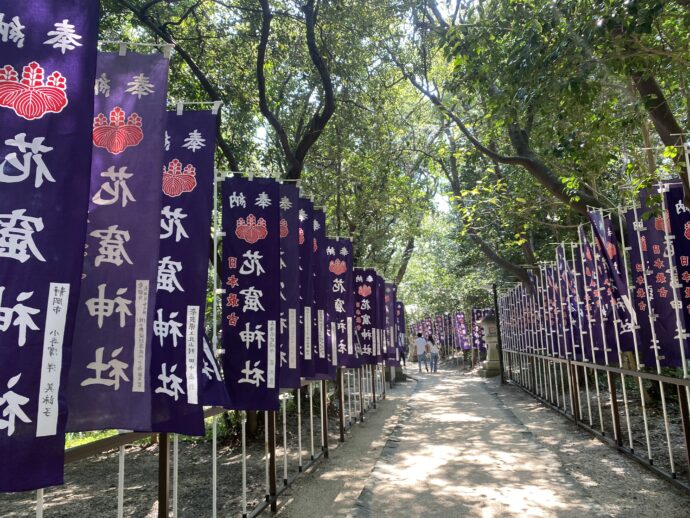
(462, 452)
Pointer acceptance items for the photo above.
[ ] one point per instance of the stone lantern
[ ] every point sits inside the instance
(491, 366)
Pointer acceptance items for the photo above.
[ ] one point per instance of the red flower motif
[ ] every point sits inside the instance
(251, 230)
(337, 267)
(611, 249)
(301, 236)
(176, 180)
(31, 98)
(116, 135)
(315, 246)
(686, 230)
(364, 290)
(283, 228)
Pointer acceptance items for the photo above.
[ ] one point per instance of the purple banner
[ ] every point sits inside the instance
(341, 312)
(401, 328)
(679, 218)
(290, 335)
(108, 385)
(178, 360)
(306, 286)
(477, 329)
(391, 301)
(364, 313)
(251, 313)
(461, 331)
(48, 62)
(321, 351)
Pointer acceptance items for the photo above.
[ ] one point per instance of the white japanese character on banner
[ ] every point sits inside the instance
(102, 85)
(340, 305)
(167, 275)
(285, 203)
(237, 200)
(194, 141)
(252, 299)
(18, 315)
(32, 154)
(116, 370)
(118, 186)
(366, 320)
(102, 307)
(16, 236)
(302, 215)
(111, 246)
(249, 337)
(252, 264)
(13, 404)
(140, 86)
(262, 200)
(344, 251)
(330, 250)
(164, 328)
(166, 142)
(342, 326)
(175, 382)
(64, 37)
(12, 31)
(359, 278)
(342, 347)
(283, 358)
(253, 376)
(317, 225)
(171, 221)
(338, 286)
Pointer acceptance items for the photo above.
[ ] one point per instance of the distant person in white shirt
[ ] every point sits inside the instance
(421, 344)
(434, 355)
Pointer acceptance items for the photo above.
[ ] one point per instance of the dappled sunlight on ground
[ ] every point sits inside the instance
(462, 453)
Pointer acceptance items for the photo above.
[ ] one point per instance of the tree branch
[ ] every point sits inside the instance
(203, 79)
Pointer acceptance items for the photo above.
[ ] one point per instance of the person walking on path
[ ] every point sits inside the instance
(433, 349)
(421, 344)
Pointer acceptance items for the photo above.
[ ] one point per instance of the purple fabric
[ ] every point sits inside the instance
(341, 312)
(251, 312)
(400, 327)
(290, 331)
(108, 384)
(364, 313)
(381, 318)
(306, 286)
(566, 279)
(179, 362)
(391, 300)
(45, 138)
(679, 218)
(477, 329)
(321, 350)
(461, 331)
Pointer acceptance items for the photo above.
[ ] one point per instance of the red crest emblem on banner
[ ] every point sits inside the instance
(364, 290)
(301, 236)
(686, 230)
(177, 180)
(283, 228)
(315, 246)
(337, 267)
(31, 97)
(611, 249)
(251, 230)
(114, 134)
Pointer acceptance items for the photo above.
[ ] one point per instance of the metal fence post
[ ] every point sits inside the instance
(163, 469)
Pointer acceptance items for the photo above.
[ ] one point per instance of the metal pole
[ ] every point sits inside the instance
(299, 428)
(244, 466)
(588, 300)
(175, 472)
(285, 445)
(633, 318)
(580, 325)
(341, 403)
(163, 469)
(266, 458)
(639, 227)
(121, 483)
(39, 503)
(324, 419)
(214, 466)
(311, 419)
(272, 461)
(373, 384)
